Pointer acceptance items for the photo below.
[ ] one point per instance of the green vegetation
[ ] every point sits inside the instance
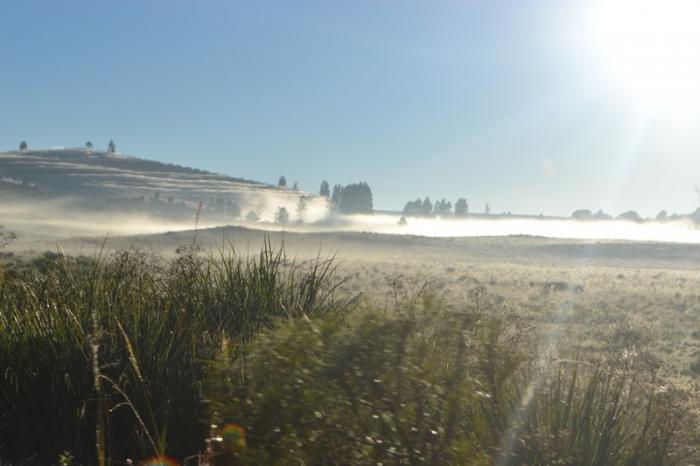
(143, 332)
(266, 360)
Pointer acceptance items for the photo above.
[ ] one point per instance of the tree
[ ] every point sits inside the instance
(252, 216)
(413, 207)
(325, 189)
(23, 145)
(356, 198)
(88, 145)
(461, 207)
(301, 208)
(295, 187)
(337, 194)
(281, 216)
(630, 215)
(663, 216)
(427, 207)
(282, 182)
(600, 215)
(111, 147)
(443, 207)
(582, 214)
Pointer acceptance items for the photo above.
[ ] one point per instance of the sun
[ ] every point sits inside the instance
(651, 48)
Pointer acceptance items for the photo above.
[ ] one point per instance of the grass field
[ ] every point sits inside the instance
(401, 350)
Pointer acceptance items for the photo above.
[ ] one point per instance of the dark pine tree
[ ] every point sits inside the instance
(325, 190)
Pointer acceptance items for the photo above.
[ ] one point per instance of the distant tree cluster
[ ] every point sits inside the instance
(630, 215)
(282, 183)
(442, 208)
(355, 198)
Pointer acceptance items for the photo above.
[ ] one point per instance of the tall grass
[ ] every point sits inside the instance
(106, 357)
(438, 388)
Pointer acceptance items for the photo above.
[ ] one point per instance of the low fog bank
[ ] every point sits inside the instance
(69, 217)
(677, 231)
(62, 219)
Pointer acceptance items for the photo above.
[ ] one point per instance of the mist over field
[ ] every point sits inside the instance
(323, 233)
(61, 219)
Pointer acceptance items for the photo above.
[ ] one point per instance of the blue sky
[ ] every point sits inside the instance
(497, 101)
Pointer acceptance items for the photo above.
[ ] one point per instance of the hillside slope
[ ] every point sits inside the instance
(79, 172)
(38, 187)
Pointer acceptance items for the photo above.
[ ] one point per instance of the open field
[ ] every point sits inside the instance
(581, 286)
(562, 320)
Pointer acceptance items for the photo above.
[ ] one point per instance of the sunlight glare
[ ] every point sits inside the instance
(652, 49)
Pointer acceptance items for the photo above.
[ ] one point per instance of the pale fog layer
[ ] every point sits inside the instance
(56, 219)
(680, 231)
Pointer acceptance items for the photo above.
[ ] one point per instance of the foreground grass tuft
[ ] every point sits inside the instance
(142, 331)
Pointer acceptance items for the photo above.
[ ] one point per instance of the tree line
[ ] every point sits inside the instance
(111, 147)
(354, 198)
(442, 208)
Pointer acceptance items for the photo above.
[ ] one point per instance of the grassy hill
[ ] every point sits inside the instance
(72, 183)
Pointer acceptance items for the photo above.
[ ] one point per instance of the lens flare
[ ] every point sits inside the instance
(233, 435)
(160, 461)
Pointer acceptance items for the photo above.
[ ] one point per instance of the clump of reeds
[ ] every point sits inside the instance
(106, 357)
